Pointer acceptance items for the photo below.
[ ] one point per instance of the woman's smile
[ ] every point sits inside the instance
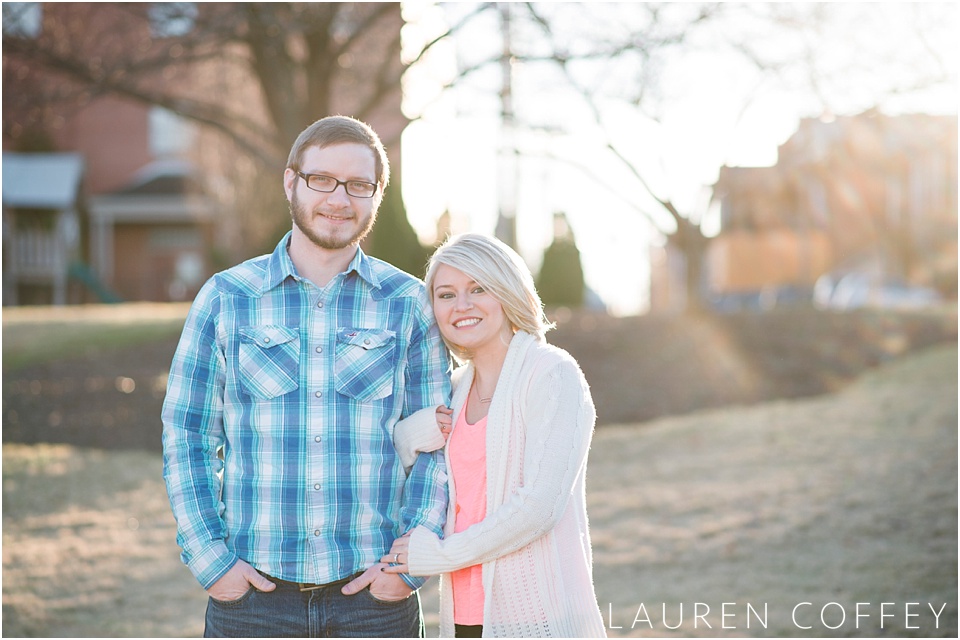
(467, 322)
(467, 314)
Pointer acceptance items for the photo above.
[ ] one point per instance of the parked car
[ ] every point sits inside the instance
(858, 289)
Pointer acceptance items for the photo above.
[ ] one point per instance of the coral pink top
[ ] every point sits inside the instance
(468, 464)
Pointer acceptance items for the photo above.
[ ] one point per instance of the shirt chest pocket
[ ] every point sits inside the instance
(365, 363)
(269, 360)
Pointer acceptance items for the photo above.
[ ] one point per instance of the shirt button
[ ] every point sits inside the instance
(266, 340)
(320, 305)
(317, 439)
(317, 486)
(318, 393)
(316, 532)
(366, 341)
(319, 349)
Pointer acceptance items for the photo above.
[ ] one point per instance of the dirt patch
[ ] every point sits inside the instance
(104, 399)
(639, 368)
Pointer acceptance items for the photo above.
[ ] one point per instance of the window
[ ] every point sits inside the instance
(170, 135)
(22, 19)
(171, 19)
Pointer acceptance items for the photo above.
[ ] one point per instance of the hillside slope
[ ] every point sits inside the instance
(845, 498)
(648, 366)
(835, 500)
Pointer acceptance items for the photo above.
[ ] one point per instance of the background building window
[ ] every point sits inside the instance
(170, 135)
(22, 19)
(171, 19)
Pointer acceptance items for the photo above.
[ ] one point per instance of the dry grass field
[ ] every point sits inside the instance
(844, 501)
(837, 500)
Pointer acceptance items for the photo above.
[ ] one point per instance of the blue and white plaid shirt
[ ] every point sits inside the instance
(301, 387)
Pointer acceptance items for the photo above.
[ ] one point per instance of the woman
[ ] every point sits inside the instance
(516, 554)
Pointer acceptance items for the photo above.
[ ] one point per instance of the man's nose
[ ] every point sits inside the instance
(339, 194)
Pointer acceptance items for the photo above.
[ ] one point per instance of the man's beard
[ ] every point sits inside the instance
(302, 220)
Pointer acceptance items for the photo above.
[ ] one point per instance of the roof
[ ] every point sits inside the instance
(41, 180)
(152, 208)
(165, 176)
(163, 191)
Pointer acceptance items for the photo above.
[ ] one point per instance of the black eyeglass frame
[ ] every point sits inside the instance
(306, 180)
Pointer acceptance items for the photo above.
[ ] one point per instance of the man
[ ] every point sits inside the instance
(292, 370)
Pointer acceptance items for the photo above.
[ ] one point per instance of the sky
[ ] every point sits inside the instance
(710, 109)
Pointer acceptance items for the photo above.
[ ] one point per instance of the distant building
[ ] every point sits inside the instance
(141, 221)
(139, 224)
(153, 202)
(42, 200)
(869, 192)
(150, 240)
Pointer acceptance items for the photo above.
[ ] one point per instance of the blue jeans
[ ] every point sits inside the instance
(287, 612)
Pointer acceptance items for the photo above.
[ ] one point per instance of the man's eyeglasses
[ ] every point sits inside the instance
(326, 184)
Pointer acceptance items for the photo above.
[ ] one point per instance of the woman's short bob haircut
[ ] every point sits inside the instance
(501, 272)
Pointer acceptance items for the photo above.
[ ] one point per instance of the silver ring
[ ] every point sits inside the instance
(396, 558)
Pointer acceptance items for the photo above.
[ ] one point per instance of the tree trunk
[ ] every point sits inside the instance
(691, 242)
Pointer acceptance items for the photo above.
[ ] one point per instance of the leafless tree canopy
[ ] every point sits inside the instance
(611, 59)
(259, 72)
(256, 72)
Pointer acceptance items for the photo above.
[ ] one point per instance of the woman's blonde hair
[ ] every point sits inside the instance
(501, 272)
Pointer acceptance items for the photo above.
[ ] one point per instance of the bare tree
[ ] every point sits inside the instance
(252, 74)
(594, 53)
(305, 59)
(613, 58)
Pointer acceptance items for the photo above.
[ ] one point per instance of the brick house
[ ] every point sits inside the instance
(156, 206)
(141, 217)
(869, 193)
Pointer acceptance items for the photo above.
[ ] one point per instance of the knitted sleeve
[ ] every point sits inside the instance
(560, 418)
(417, 433)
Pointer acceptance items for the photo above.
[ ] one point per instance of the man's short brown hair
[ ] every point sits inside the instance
(338, 130)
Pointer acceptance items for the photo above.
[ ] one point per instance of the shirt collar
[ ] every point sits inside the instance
(280, 266)
(363, 266)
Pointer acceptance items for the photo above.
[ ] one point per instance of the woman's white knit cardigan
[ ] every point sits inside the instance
(534, 543)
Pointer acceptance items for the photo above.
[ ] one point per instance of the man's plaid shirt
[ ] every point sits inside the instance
(301, 388)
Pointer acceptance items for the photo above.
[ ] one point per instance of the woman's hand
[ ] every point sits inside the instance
(398, 557)
(445, 422)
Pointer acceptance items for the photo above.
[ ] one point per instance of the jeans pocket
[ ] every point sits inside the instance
(365, 363)
(233, 603)
(388, 603)
(269, 360)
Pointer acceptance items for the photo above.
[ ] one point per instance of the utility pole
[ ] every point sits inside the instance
(508, 162)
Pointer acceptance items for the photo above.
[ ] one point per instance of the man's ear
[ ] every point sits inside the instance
(289, 180)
